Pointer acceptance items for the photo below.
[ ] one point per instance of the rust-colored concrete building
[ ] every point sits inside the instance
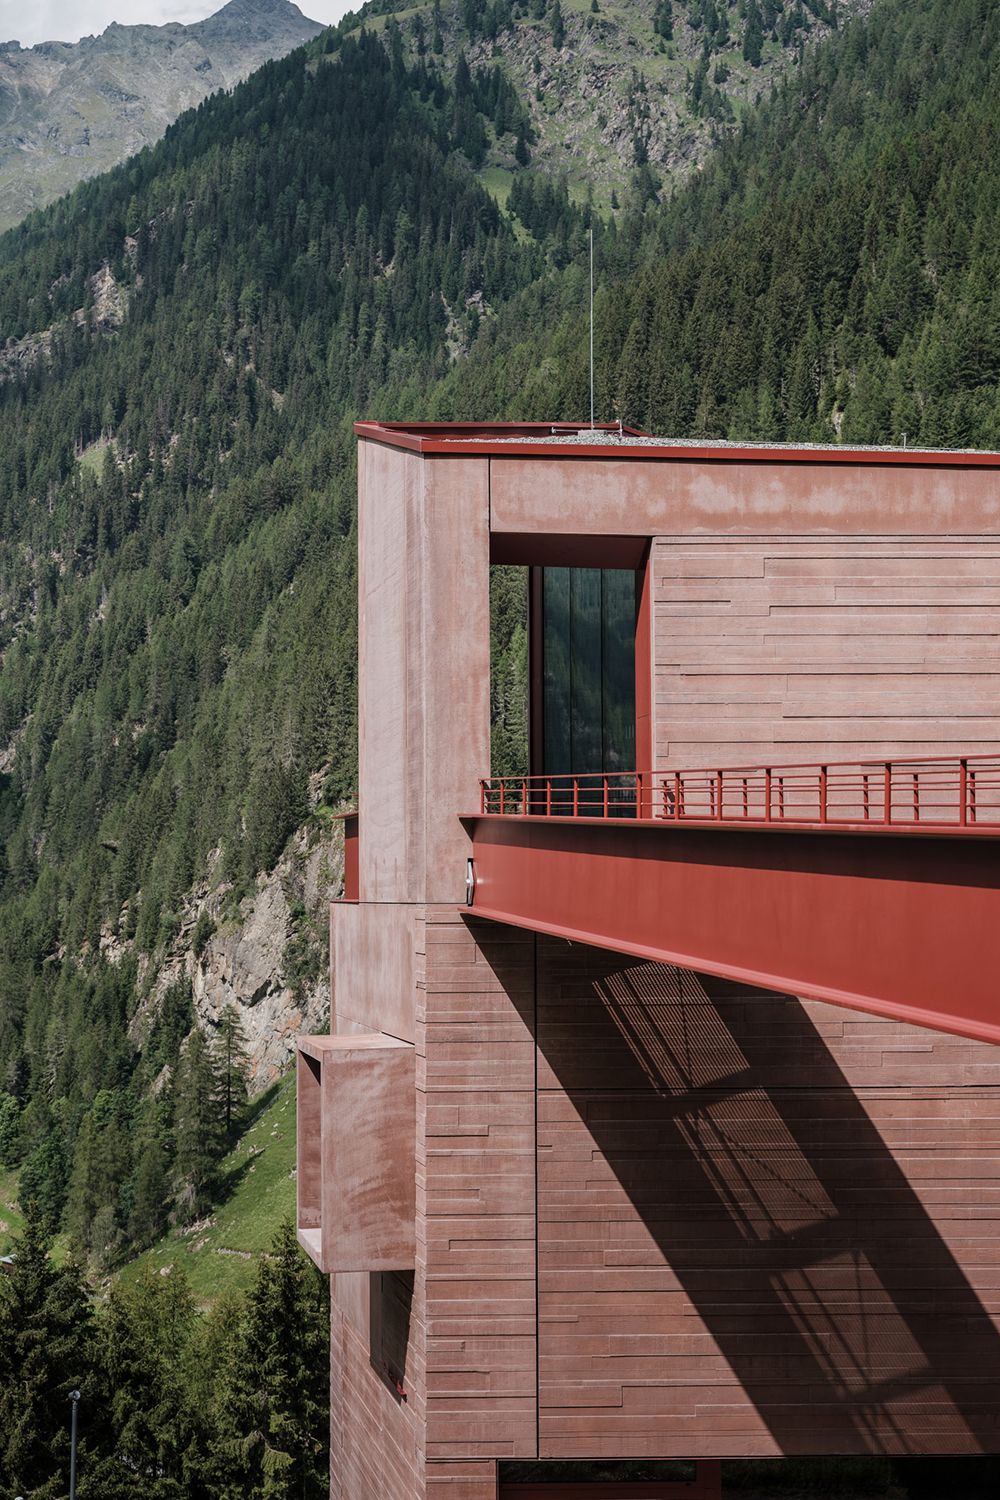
(660, 1112)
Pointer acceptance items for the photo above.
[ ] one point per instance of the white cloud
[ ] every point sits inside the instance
(68, 20)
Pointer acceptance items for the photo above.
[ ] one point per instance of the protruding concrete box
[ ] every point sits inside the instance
(356, 1134)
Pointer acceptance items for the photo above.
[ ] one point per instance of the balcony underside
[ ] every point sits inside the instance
(894, 924)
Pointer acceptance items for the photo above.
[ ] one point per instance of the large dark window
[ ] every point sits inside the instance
(588, 670)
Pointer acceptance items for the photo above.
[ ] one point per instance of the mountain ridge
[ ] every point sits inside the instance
(70, 110)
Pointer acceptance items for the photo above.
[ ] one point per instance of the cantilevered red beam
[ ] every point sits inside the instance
(900, 925)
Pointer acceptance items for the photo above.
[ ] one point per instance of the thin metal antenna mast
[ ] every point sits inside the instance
(591, 327)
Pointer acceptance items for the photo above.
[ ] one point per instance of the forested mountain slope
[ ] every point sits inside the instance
(833, 274)
(604, 86)
(177, 597)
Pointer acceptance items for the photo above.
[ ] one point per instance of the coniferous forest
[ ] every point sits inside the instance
(177, 570)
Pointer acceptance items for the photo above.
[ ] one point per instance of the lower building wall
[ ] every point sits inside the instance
(765, 1226)
(376, 1379)
(476, 1480)
(661, 1215)
(468, 1355)
(476, 1188)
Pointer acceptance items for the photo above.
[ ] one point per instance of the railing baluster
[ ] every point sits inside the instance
(938, 792)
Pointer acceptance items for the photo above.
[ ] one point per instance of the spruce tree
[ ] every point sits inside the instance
(753, 36)
(43, 1176)
(233, 1065)
(273, 1412)
(278, 800)
(101, 1163)
(558, 25)
(46, 1350)
(199, 1128)
(155, 1430)
(150, 1190)
(10, 1118)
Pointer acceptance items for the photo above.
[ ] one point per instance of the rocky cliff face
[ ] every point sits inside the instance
(268, 955)
(272, 962)
(620, 83)
(71, 110)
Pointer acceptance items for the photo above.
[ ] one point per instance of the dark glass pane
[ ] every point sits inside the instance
(556, 686)
(585, 669)
(588, 687)
(618, 655)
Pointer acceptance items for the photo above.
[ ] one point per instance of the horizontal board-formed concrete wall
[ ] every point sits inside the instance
(376, 1437)
(765, 1226)
(476, 1189)
(804, 649)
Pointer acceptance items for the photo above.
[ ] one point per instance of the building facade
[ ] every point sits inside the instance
(660, 1112)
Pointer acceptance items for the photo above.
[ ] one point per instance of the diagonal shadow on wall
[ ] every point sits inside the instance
(743, 1203)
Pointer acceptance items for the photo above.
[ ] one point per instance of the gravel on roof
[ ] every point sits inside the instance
(604, 439)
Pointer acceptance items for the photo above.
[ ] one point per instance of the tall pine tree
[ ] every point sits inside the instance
(232, 1063)
(199, 1128)
(156, 1432)
(272, 1417)
(46, 1350)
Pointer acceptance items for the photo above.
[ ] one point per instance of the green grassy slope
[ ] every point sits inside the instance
(220, 1255)
(11, 1218)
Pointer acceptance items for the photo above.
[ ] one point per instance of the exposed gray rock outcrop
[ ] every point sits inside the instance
(269, 957)
(71, 110)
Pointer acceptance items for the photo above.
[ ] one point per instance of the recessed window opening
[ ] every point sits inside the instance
(563, 688)
(588, 620)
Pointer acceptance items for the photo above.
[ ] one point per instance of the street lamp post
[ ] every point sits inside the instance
(74, 1397)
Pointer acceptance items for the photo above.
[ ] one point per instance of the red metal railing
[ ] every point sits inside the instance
(611, 794)
(945, 792)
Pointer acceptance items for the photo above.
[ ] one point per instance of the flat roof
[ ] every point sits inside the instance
(610, 440)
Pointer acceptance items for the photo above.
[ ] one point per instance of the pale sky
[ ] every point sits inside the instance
(69, 20)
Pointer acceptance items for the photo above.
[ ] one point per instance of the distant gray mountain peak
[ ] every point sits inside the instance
(69, 110)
